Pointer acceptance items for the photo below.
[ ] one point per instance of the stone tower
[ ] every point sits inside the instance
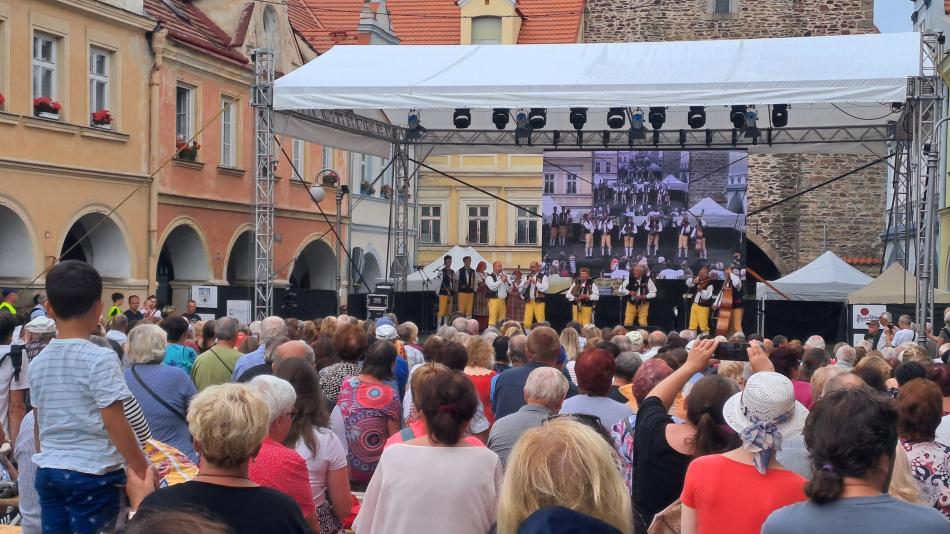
(846, 217)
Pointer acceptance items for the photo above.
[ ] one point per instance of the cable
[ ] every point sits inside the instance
(555, 165)
(724, 167)
(888, 114)
(151, 178)
(822, 184)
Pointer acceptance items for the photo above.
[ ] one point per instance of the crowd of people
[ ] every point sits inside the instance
(121, 424)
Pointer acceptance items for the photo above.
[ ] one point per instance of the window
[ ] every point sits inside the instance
(607, 164)
(527, 228)
(100, 63)
(486, 30)
(184, 108)
(478, 225)
(327, 157)
(227, 133)
(299, 159)
(571, 183)
(361, 166)
(548, 183)
(722, 7)
(596, 166)
(430, 224)
(44, 65)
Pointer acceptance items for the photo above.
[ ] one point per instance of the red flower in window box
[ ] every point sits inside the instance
(2, 99)
(102, 117)
(45, 104)
(187, 152)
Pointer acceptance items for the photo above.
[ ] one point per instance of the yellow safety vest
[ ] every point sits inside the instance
(8, 307)
(113, 311)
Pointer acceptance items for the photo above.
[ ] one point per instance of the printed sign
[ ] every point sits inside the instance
(240, 310)
(205, 296)
(862, 313)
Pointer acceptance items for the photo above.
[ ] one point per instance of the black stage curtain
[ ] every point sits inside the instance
(794, 319)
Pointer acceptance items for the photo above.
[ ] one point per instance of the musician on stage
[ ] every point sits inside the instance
(584, 294)
(533, 289)
(606, 227)
(589, 227)
(731, 281)
(447, 289)
(700, 291)
(555, 225)
(685, 230)
(639, 290)
(515, 303)
(466, 287)
(653, 226)
(564, 224)
(628, 232)
(699, 235)
(498, 286)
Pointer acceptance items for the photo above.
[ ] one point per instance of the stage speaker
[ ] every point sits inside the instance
(375, 300)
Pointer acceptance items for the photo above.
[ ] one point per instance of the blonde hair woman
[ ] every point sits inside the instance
(570, 340)
(328, 326)
(229, 423)
(903, 484)
(480, 370)
(569, 466)
(163, 391)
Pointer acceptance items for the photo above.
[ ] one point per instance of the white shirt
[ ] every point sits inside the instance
(7, 383)
(651, 289)
(669, 274)
(329, 456)
(903, 336)
(594, 292)
(495, 283)
(703, 294)
(541, 285)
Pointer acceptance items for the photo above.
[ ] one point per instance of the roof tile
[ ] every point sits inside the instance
(190, 26)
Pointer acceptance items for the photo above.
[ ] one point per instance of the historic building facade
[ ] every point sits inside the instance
(795, 233)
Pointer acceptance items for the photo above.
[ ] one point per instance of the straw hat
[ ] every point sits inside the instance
(767, 397)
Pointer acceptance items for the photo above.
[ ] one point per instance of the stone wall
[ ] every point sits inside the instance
(846, 217)
(708, 175)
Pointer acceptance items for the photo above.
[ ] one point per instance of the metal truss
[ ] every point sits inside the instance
(262, 96)
(402, 183)
(347, 121)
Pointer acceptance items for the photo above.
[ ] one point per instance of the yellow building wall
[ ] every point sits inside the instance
(54, 171)
(510, 22)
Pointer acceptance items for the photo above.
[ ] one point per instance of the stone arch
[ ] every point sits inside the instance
(314, 266)
(17, 244)
(768, 253)
(239, 268)
(105, 247)
(183, 260)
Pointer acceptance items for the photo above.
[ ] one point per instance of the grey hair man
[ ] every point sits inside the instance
(215, 365)
(271, 327)
(471, 326)
(688, 335)
(656, 340)
(460, 324)
(518, 350)
(622, 388)
(846, 356)
(815, 342)
(294, 348)
(623, 342)
(446, 332)
(544, 392)
(904, 333)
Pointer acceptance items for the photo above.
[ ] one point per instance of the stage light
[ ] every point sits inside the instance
(462, 118)
(636, 126)
(657, 117)
(499, 116)
(737, 116)
(538, 118)
(578, 117)
(616, 117)
(751, 120)
(522, 129)
(780, 115)
(696, 118)
(415, 129)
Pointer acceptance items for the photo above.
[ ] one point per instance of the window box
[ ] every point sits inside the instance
(101, 119)
(102, 126)
(45, 107)
(47, 115)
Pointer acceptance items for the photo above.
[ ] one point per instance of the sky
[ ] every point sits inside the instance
(893, 15)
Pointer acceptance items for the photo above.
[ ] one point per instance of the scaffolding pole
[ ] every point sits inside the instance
(262, 95)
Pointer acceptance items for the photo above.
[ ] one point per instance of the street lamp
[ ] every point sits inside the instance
(330, 178)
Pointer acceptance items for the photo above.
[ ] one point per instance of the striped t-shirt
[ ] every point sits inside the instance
(70, 381)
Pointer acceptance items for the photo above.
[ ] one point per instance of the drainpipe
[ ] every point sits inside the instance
(155, 153)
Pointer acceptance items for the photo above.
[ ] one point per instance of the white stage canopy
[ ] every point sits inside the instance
(674, 184)
(717, 216)
(826, 279)
(847, 80)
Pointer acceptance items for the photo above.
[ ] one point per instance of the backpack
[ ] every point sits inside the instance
(16, 358)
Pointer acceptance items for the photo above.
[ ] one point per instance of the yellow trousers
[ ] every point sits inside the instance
(699, 318)
(735, 321)
(583, 314)
(533, 313)
(640, 312)
(445, 306)
(496, 311)
(466, 302)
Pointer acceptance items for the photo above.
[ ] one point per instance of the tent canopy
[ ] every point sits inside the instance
(674, 184)
(894, 286)
(827, 278)
(826, 81)
(717, 216)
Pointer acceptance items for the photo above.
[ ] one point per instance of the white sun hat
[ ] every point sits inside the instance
(767, 397)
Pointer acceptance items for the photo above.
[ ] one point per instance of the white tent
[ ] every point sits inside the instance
(894, 286)
(717, 216)
(431, 271)
(827, 278)
(674, 184)
(826, 81)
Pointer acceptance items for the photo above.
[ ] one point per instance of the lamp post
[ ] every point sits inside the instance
(330, 179)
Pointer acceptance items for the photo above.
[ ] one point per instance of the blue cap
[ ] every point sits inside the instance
(7, 291)
(385, 320)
